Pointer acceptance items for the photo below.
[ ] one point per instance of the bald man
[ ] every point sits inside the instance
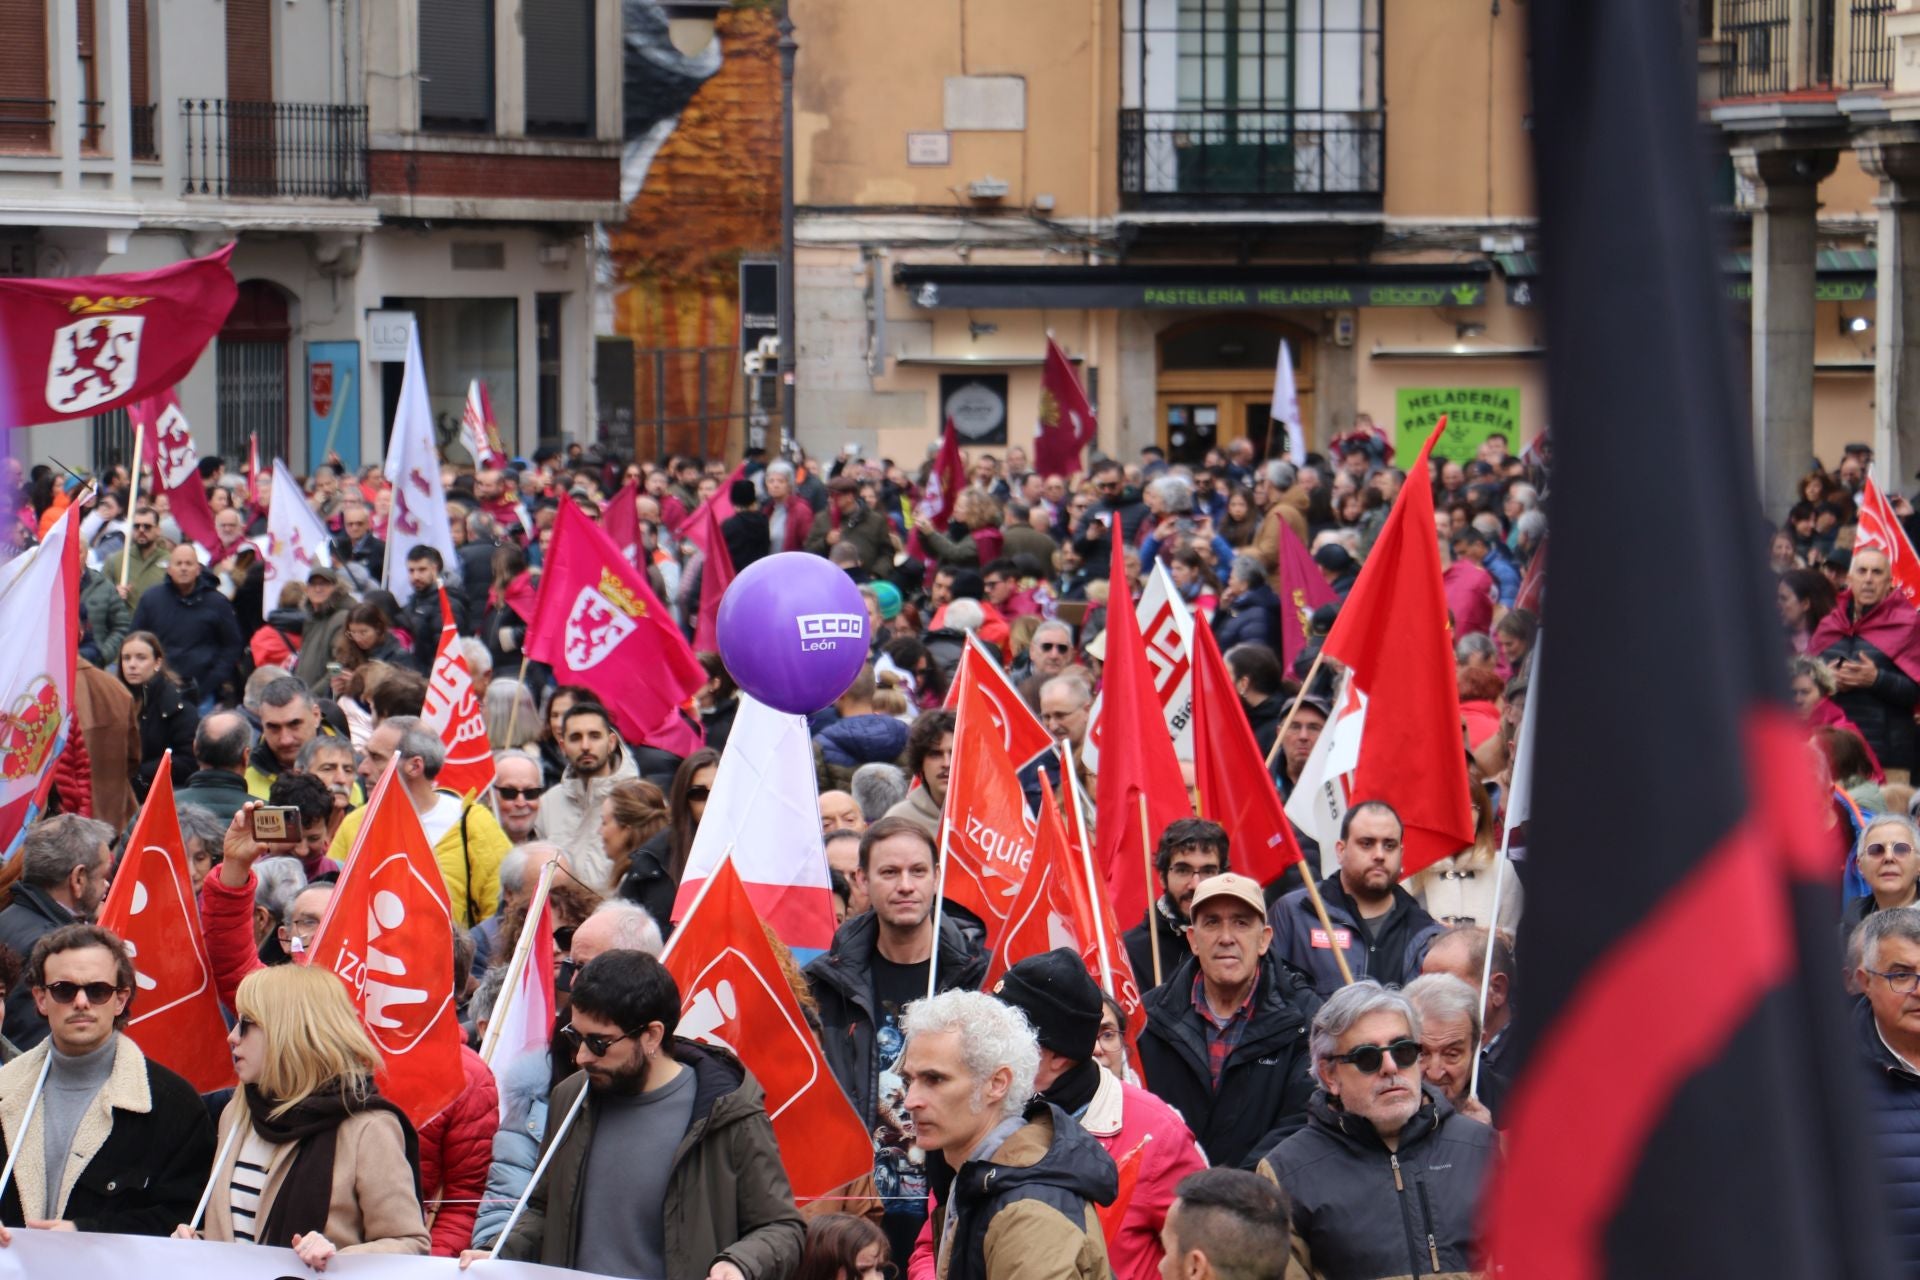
(838, 812)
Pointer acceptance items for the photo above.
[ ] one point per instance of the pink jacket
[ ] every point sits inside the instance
(1120, 1117)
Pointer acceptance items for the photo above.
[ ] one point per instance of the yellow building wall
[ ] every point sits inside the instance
(1388, 329)
(1456, 99)
(1848, 191)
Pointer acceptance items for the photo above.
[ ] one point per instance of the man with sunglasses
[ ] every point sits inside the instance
(1115, 502)
(518, 784)
(117, 1142)
(1385, 1177)
(148, 553)
(713, 1201)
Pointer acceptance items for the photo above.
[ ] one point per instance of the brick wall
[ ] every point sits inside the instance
(495, 177)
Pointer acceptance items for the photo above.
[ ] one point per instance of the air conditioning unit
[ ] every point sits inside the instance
(988, 188)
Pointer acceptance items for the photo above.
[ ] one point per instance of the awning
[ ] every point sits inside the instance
(1840, 275)
(1159, 287)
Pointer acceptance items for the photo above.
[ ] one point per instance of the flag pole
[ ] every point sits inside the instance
(1146, 859)
(213, 1179)
(1086, 860)
(1320, 909)
(522, 951)
(699, 898)
(33, 1101)
(513, 712)
(133, 502)
(1273, 752)
(1486, 968)
(539, 1170)
(940, 894)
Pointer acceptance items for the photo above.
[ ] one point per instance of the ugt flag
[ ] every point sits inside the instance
(74, 348)
(453, 712)
(1168, 627)
(388, 934)
(597, 624)
(419, 515)
(40, 598)
(175, 464)
(175, 1013)
(1880, 529)
(734, 994)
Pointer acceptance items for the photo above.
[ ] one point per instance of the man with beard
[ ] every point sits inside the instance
(326, 609)
(1872, 643)
(1372, 1130)
(1382, 930)
(148, 551)
(721, 1207)
(570, 810)
(1191, 850)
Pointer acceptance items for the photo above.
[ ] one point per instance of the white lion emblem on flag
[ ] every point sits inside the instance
(595, 628)
(94, 361)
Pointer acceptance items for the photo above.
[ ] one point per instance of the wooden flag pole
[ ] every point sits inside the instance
(133, 499)
(1320, 909)
(1273, 752)
(1486, 968)
(1146, 861)
(513, 713)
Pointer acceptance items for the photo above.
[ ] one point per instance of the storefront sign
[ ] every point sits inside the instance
(1472, 413)
(977, 403)
(1126, 290)
(387, 336)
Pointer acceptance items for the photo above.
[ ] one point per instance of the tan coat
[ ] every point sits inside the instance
(109, 720)
(1290, 506)
(375, 1208)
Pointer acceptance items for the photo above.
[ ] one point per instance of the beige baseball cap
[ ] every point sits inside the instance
(1229, 884)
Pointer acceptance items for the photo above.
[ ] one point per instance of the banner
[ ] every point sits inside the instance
(1471, 414)
(296, 540)
(1168, 628)
(40, 598)
(35, 1255)
(452, 711)
(175, 465)
(419, 515)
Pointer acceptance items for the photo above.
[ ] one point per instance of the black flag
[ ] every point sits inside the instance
(1685, 1102)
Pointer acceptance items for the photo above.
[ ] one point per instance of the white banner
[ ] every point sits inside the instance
(1167, 627)
(35, 1255)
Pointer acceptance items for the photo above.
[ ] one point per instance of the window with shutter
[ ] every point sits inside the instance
(456, 66)
(559, 68)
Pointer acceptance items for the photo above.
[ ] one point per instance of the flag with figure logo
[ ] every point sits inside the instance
(478, 431)
(40, 599)
(87, 345)
(296, 540)
(1881, 530)
(597, 624)
(765, 809)
(1067, 425)
(1302, 588)
(419, 514)
(388, 934)
(987, 834)
(1394, 734)
(1690, 895)
(620, 521)
(735, 995)
(175, 1013)
(452, 711)
(175, 466)
(702, 529)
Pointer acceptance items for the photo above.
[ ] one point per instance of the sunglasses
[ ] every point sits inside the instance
(67, 992)
(596, 1045)
(242, 1026)
(1055, 648)
(699, 793)
(1900, 849)
(519, 793)
(563, 937)
(1369, 1058)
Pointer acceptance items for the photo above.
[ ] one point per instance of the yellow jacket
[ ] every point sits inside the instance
(469, 854)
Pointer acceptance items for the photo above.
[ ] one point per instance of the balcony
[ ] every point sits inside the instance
(274, 149)
(1774, 48)
(1237, 158)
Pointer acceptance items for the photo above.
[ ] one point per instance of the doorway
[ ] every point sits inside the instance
(1216, 383)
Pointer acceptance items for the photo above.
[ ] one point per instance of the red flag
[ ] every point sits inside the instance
(989, 835)
(1067, 424)
(1106, 949)
(1302, 588)
(1236, 790)
(621, 522)
(1136, 755)
(40, 599)
(175, 1014)
(1047, 912)
(597, 624)
(1395, 731)
(1880, 529)
(1112, 1215)
(1533, 586)
(702, 529)
(1022, 735)
(78, 347)
(733, 994)
(453, 712)
(175, 467)
(945, 479)
(388, 933)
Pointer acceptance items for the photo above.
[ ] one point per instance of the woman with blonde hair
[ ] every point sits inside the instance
(1459, 890)
(322, 1162)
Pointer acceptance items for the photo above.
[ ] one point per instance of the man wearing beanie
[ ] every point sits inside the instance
(1063, 1005)
(745, 531)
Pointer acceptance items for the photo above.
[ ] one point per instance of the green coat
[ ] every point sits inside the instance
(728, 1196)
(149, 569)
(109, 616)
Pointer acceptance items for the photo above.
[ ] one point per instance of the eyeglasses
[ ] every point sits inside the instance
(519, 793)
(699, 793)
(144, 527)
(1898, 849)
(67, 992)
(1901, 984)
(596, 1045)
(1369, 1058)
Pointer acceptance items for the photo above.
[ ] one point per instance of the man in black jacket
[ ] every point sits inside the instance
(1382, 930)
(877, 966)
(1191, 850)
(1385, 1178)
(196, 625)
(1118, 503)
(146, 1137)
(1226, 1037)
(65, 865)
(420, 615)
(745, 531)
(219, 785)
(356, 541)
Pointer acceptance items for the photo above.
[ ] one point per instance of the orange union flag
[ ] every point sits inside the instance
(733, 995)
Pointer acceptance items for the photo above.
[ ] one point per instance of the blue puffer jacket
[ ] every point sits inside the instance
(867, 739)
(516, 1146)
(1893, 1103)
(1254, 618)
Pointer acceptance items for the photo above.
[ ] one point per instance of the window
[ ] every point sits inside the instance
(560, 84)
(456, 66)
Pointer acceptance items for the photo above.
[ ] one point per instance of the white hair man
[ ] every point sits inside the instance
(519, 873)
(969, 1069)
(615, 925)
(1373, 1109)
(1449, 1038)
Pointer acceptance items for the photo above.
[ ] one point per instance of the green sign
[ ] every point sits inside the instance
(1825, 289)
(1472, 413)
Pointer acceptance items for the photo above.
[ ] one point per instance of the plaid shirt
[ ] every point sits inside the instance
(1223, 1034)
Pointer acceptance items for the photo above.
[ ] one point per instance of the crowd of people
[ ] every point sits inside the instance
(1269, 1113)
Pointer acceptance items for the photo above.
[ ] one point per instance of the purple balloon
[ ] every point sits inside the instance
(793, 631)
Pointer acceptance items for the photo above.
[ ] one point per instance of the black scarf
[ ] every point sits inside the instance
(1074, 1089)
(305, 1198)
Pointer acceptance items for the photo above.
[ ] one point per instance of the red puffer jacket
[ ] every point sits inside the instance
(456, 1147)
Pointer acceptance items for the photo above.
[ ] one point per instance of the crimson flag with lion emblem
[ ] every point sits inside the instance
(79, 347)
(1067, 425)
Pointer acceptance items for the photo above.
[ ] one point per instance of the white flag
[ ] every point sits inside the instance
(419, 515)
(1520, 789)
(1319, 801)
(1286, 406)
(1166, 625)
(296, 540)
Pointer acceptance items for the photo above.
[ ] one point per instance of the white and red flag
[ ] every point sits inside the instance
(734, 994)
(521, 1023)
(419, 514)
(1167, 625)
(478, 430)
(1880, 529)
(454, 713)
(296, 540)
(175, 464)
(175, 1013)
(40, 599)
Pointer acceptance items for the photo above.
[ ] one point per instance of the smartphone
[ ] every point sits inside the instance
(335, 669)
(276, 824)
